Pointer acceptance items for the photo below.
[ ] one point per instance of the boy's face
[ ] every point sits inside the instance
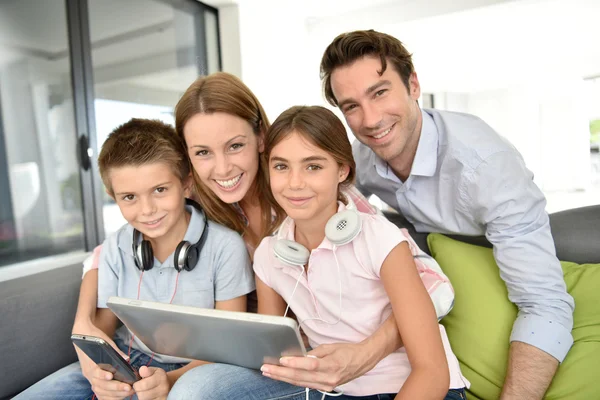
(381, 112)
(152, 199)
(224, 151)
(304, 179)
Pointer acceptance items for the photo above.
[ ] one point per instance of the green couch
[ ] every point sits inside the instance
(480, 323)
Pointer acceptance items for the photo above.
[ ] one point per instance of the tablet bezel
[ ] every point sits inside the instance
(239, 338)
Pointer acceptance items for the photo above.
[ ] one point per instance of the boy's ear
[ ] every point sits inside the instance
(344, 171)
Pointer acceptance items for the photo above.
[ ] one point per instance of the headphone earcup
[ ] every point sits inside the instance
(178, 262)
(185, 257)
(291, 252)
(343, 227)
(146, 255)
(191, 258)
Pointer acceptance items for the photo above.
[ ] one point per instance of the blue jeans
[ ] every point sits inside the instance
(222, 381)
(69, 383)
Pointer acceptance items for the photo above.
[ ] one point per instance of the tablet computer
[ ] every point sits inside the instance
(245, 339)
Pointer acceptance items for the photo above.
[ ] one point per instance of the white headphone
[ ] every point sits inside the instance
(341, 229)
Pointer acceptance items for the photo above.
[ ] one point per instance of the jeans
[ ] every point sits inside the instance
(69, 383)
(222, 381)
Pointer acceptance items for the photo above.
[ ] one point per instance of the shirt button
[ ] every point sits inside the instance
(160, 272)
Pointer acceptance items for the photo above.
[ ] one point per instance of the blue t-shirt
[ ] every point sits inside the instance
(223, 272)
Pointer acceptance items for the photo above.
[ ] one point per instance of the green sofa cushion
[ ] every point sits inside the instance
(480, 323)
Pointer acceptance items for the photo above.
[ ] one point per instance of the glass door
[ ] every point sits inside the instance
(41, 211)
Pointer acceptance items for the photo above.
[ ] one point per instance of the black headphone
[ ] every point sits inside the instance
(186, 254)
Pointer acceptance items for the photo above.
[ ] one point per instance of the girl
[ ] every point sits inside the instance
(358, 268)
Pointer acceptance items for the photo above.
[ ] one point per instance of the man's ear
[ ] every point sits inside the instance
(414, 86)
(344, 171)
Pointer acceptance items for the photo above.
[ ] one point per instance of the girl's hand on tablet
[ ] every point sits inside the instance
(327, 367)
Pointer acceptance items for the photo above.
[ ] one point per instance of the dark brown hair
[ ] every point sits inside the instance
(139, 142)
(349, 47)
(223, 92)
(320, 127)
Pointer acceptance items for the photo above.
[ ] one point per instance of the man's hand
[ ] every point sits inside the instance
(153, 385)
(87, 365)
(334, 365)
(529, 373)
(106, 388)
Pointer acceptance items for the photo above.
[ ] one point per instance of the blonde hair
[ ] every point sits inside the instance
(223, 92)
(139, 142)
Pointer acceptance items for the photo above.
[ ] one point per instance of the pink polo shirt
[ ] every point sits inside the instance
(365, 303)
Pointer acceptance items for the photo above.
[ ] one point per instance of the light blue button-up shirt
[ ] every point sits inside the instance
(466, 179)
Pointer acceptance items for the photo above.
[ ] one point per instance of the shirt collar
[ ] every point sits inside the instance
(425, 162)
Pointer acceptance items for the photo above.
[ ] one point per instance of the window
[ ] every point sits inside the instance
(40, 192)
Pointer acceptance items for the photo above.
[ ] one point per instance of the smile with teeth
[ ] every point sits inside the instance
(384, 133)
(229, 183)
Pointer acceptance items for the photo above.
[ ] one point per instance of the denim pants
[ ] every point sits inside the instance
(69, 383)
(222, 381)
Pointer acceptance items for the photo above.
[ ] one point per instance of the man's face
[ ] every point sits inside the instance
(381, 112)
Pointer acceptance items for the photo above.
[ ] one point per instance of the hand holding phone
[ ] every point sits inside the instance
(106, 357)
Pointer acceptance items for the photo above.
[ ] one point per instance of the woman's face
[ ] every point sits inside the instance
(224, 151)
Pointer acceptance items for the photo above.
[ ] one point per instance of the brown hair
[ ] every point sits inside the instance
(139, 142)
(223, 92)
(319, 126)
(349, 47)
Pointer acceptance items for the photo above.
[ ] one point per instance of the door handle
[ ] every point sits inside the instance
(85, 152)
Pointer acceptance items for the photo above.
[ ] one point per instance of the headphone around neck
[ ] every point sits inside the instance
(341, 229)
(186, 254)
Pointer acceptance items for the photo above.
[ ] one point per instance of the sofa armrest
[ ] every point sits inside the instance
(37, 314)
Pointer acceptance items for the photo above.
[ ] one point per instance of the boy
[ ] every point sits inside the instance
(145, 169)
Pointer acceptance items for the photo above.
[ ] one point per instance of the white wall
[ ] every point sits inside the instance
(274, 48)
(517, 64)
(548, 124)
(229, 22)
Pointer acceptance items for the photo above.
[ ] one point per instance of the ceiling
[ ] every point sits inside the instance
(458, 46)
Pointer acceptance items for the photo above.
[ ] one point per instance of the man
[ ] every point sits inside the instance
(451, 173)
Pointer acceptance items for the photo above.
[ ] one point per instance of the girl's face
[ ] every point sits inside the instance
(224, 151)
(304, 178)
